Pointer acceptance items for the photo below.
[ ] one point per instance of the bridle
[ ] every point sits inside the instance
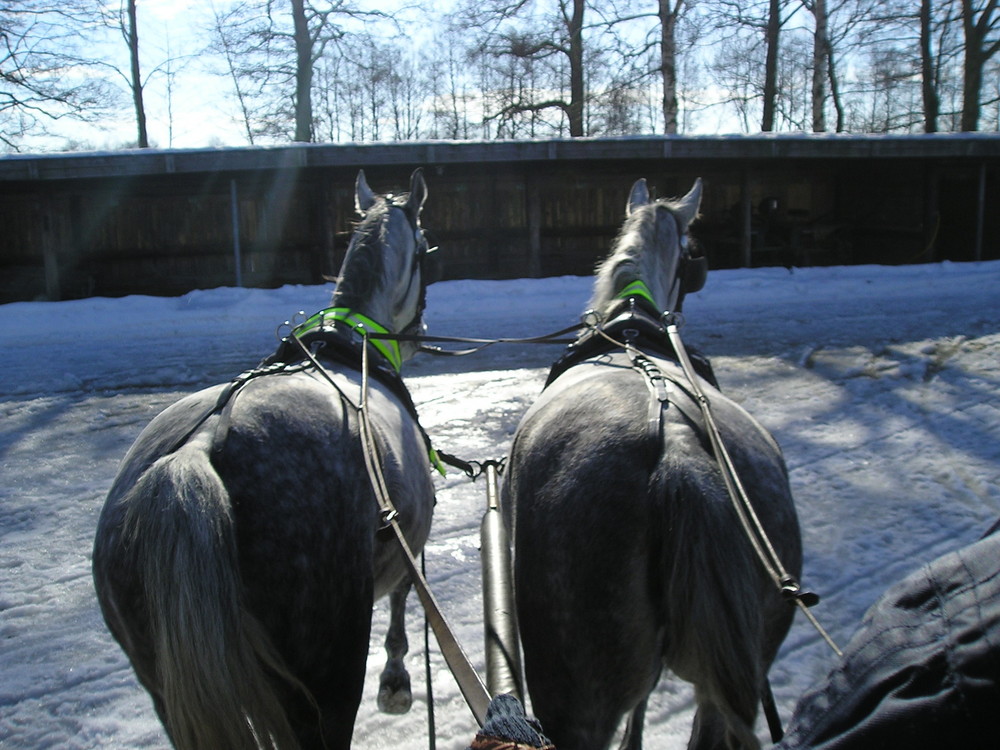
(418, 266)
(385, 341)
(692, 268)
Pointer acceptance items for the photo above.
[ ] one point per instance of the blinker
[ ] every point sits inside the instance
(694, 273)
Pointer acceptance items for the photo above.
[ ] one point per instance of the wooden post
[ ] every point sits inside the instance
(50, 248)
(327, 260)
(234, 210)
(980, 209)
(534, 215)
(932, 214)
(746, 217)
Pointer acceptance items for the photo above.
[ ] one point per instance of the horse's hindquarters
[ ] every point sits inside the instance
(263, 524)
(583, 534)
(306, 511)
(629, 556)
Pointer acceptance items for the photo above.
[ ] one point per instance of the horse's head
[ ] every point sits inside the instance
(652, 256)
(382, 276)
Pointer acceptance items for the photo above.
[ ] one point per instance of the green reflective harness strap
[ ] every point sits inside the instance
(388, 348)
(364, 325)
(638, 288)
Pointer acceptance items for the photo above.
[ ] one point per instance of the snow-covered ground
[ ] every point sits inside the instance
(880, 383)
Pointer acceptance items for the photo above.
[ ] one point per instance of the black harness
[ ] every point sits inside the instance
(633, 323)
(339, 344)
(633, 328)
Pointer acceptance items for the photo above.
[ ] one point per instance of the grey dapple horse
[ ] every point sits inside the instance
(628, 554)
(237, 557)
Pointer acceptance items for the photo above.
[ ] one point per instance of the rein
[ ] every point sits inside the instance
(386, 343)
(554, 337)
(787, 585)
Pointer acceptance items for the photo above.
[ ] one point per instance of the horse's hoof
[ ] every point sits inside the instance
(394, 696)
(390, 702)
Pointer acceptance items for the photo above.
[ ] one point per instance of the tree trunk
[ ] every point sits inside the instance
(932, 103)
(838, 104)
(972, 83)
(819, 72)
(303, 73)
(133, 50)
(668, 64)
(976, 56)
(576, 83)
(771, 65)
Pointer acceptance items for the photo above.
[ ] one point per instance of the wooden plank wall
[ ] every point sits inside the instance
(98, 233)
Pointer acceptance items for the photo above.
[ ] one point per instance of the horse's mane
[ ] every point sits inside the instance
(628, 260)
(363, 272)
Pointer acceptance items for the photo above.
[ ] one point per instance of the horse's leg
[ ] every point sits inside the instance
(394, 696)
(633, 729)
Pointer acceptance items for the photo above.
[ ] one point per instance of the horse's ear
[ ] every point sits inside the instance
(364, 198)
(638, 197)
(687, 207)
(418, 190)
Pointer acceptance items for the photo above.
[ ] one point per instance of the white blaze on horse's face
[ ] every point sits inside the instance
(668, 239)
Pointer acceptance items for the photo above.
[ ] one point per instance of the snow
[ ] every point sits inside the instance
(881, 384)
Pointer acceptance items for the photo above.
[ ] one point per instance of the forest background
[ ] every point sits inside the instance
(99, 74)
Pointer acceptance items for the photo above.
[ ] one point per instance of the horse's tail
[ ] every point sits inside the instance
(719, 631)
(214, 661)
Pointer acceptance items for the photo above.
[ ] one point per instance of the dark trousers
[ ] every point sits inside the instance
(923, 670)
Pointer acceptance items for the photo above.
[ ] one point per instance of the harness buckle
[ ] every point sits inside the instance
(670, 318)
(792, 592)
(387, 516)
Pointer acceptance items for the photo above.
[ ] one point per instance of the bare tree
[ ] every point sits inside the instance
(928, 78)
(547, 41)
(130, 30)
(793, 105)
(44, 75)
(669, 13)
(736, 66)
(981, 26)
(821, 61)
(272, 49)
(901, 60)
(772, 43)
(756, 29)
(123, 21)
(914, 56)
(226, 34)
(450, 95)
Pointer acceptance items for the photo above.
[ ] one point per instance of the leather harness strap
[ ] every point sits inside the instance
(469, 682)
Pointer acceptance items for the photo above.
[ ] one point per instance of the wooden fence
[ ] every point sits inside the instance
(166, 222)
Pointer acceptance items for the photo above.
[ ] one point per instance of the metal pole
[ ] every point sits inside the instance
(503, 646)
(234, 210)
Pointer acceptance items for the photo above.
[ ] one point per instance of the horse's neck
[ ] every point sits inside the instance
(376, 307)
(364, 287)
(618, 274)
